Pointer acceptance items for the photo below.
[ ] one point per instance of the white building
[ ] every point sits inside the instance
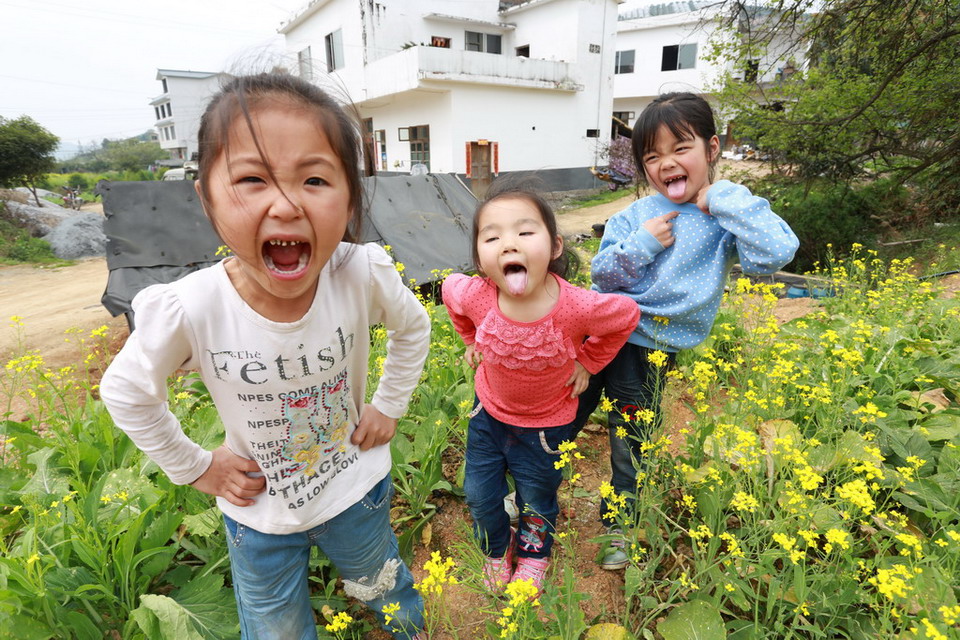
(474, 88)
(663, 48)
(178, 110)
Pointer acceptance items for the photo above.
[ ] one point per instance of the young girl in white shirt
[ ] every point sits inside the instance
(279, 334)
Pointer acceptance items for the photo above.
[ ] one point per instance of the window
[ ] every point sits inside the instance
(439, 41)
(679, 56)
(420, 145)
(751, 71)
(625, 61)
(163, 81)
(334, 45)
(593, 133)
(524, 51)
(484, 42)
(173, 133)
(304, 64)
(156, 110)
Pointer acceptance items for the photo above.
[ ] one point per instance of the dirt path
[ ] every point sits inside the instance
(50, 302)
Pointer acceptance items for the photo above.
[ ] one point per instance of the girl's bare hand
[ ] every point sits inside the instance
(472, 357)
(661, 228)
(374, 428)
(227, 478)
(579, 380)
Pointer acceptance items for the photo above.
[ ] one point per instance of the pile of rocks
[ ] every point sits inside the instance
(71, 234)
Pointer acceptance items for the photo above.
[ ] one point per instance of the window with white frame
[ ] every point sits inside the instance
(483, 42)
(679, 56)
(334, 45)
(625, 61)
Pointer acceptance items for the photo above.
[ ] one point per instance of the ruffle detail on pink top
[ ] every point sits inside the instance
(533, 347)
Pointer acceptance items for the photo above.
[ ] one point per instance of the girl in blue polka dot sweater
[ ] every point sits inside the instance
(671, 253)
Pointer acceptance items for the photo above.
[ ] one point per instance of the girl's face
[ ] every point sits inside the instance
(515, 247)
(679, 168)
(282, 231)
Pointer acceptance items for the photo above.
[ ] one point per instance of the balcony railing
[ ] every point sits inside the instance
(408, 69)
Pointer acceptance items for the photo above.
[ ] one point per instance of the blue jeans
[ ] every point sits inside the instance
(493, 448)
(270, 571)
(631, 383)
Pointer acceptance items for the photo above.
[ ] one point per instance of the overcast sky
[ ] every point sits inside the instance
(87, 70)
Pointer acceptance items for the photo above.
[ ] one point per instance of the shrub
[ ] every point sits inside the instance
(17, 245)
(825, 213)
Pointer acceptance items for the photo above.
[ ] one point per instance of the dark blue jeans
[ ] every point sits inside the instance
(493, 448)
(632, 383)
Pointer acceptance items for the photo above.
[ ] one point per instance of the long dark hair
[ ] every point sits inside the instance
(241, 94)
(684, 114)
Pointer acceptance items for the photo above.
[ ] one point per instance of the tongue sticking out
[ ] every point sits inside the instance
(516, 277)
(676, 188)
(290, 257)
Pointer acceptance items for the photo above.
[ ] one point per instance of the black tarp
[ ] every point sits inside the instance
(157, 231)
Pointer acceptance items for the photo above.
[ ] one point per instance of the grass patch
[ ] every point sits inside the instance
(593, 199)
(18, 246)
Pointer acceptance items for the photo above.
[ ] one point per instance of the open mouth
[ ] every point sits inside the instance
(515, 276)
(676, 186)
(286, 258)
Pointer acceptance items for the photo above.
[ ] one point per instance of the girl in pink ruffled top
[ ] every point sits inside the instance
(534, 340)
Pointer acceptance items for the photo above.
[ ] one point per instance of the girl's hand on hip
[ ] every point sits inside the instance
(472, 357)
(227, 478)
(661, 228)
(579, 380)
(374, 428)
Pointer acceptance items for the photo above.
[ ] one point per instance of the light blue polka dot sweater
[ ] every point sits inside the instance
(684, 282)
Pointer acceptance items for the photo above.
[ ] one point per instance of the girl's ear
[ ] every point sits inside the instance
(713, 149)
(196, 187)
(557, 247)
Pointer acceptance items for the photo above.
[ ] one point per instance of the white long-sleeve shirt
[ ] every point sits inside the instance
(289, 393)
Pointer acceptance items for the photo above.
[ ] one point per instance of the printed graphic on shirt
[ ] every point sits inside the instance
(317, 421)
(533, 533)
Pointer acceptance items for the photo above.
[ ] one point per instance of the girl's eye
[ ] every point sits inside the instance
(649, 159)
(316, 182)
(491, 239)
(253, 179)
(526, 233)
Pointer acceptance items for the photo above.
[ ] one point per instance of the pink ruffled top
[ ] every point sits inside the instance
(525, 365)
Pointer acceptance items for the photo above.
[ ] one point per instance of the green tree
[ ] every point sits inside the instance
(877, 96)
(131, 154)
(26, 153)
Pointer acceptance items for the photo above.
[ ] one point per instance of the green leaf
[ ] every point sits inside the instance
(211, 607)
(205, 523)
(46, 480)
(81, 627)
(940, 426)
(26, 627)
(173, 621)
(695, 620)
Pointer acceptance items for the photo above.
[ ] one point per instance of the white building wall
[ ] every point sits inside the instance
(188, 98)
(540, 119)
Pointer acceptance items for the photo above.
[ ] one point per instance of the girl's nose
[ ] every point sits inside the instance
(283, 207)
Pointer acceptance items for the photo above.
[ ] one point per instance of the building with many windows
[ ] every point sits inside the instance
(178, 110)
(473, 88)
(664, 47)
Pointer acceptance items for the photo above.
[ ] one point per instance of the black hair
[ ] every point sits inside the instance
(684, 114)
(241, 94)
(564, 265)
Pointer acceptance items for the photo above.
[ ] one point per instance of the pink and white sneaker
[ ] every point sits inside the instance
(498, 571)
(533, 569)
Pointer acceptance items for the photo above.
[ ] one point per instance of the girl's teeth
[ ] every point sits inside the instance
(284, 243)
